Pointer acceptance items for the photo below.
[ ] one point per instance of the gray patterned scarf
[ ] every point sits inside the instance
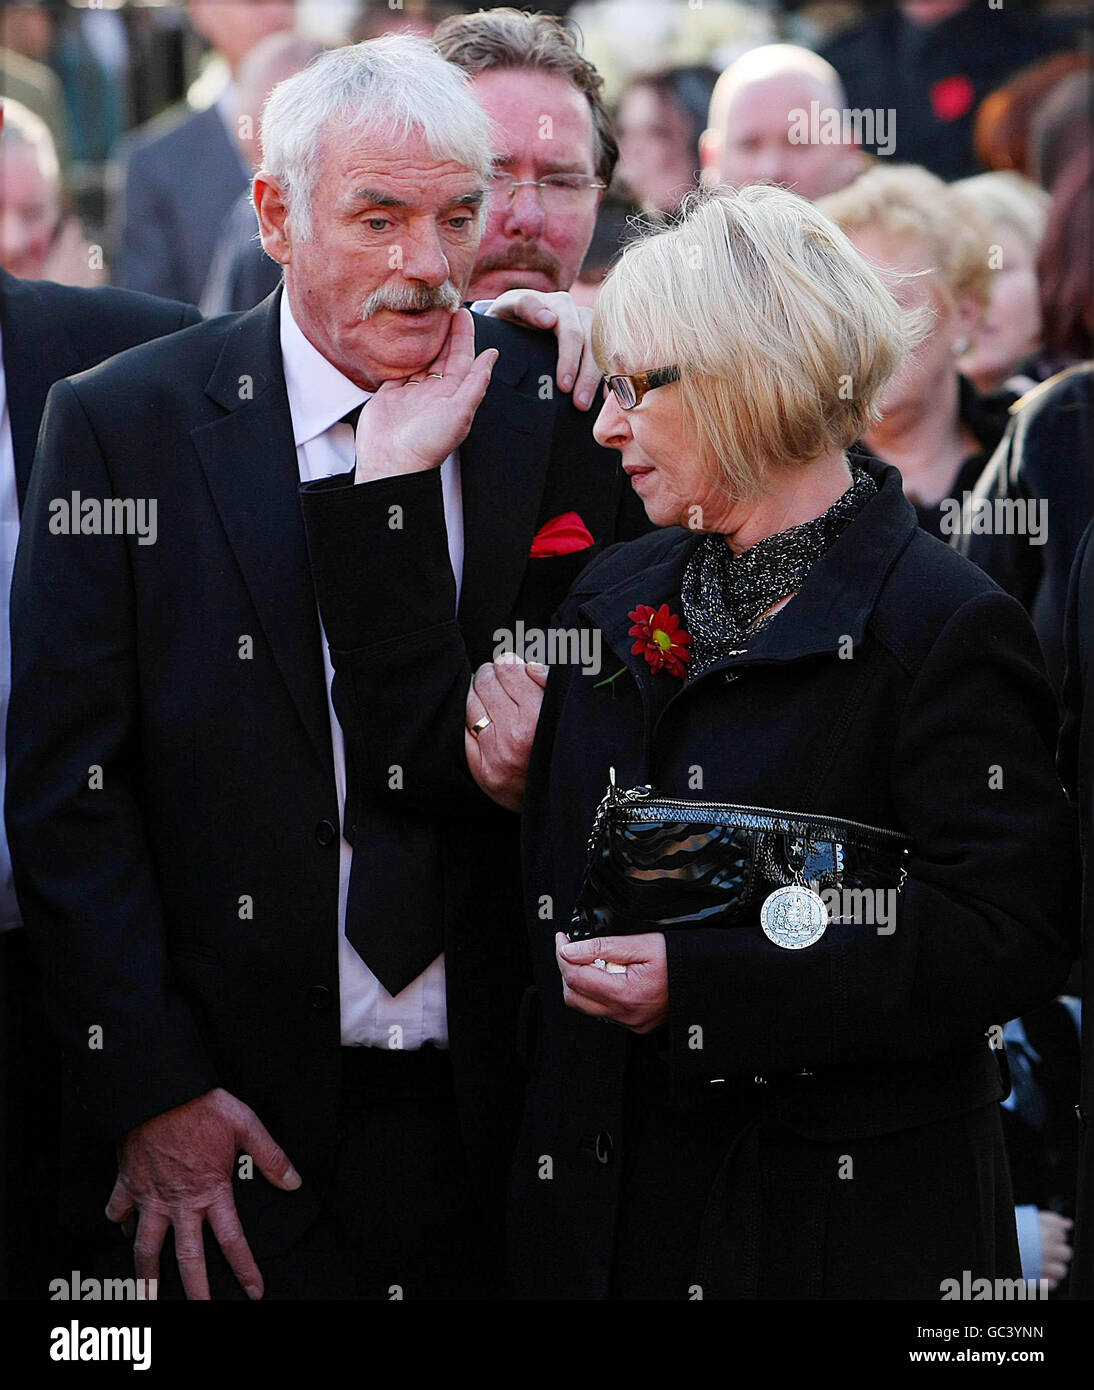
(724, 595)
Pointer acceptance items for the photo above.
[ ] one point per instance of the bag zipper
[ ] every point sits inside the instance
(644, 794)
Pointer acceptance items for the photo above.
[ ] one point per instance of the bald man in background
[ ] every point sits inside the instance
(752, 125)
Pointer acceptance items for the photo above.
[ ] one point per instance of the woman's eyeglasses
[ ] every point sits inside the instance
(558, 192)
(629, 390)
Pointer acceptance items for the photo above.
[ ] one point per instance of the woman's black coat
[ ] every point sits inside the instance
(836, 1132)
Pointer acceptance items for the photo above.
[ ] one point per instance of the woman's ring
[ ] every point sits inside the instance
(438, 375)
(480, 724)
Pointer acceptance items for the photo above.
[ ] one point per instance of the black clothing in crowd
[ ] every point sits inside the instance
(1045, 460)
(49, 332)
(934, 78)
(1077, 770)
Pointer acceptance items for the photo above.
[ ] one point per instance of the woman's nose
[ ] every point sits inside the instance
(612, 428)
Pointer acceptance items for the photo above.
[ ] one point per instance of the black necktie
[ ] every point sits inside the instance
(395, 903)
(396, 930)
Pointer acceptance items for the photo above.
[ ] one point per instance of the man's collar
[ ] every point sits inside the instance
(319, 394)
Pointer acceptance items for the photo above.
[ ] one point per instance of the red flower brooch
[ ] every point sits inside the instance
(661, 639)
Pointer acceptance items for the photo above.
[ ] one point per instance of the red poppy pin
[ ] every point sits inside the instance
(660, 639)
(952, 97)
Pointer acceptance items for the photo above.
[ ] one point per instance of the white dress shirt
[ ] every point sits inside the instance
(319, 395)
(9, 538)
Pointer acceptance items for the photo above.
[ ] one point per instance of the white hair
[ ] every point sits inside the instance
(388, 86)
(23, 129)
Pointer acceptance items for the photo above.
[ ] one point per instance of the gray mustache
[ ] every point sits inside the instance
(403, 297)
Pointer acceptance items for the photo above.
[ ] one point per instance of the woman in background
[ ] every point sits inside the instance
(1010, 332)
(932, 250)
(1044, 466)
(661, 117)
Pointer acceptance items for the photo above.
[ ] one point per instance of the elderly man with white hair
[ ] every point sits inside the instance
(760, 129)
(282, 944)
(38, 241)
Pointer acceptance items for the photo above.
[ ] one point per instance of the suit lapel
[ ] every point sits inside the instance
(36, 354)
(250, 464)
(502, 472)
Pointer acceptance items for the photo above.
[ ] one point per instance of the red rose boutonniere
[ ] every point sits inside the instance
(661, 639)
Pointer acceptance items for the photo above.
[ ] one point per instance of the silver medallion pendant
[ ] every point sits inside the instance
(793, 917)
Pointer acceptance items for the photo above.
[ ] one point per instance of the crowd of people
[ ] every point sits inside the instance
(550, 694)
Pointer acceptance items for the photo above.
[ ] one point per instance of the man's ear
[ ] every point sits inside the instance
(273, 217)
(710, 154)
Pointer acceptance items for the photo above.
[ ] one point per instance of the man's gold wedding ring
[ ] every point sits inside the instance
(480, 724)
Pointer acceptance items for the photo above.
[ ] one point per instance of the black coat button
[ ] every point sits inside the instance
(325, 833)
(318, 996)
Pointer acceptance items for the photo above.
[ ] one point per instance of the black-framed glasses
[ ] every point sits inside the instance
(558, 192)
(629, 390)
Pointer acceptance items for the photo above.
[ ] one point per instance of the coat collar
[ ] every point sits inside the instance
(37, 352)
(834, 603)
(251, 467)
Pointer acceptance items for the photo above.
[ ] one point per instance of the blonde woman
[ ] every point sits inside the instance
(1016, 212)
(932, 250)
(801, 698)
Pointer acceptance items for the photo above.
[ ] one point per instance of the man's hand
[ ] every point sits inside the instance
(573, 326)
(176, 1170)
(412, 425)
(509, 693)
(637, 997)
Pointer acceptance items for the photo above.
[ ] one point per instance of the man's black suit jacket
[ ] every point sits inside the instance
(52, 331)
(171, 793)
(49, 331)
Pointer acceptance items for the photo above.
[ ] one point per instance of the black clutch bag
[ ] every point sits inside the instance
(658, 863)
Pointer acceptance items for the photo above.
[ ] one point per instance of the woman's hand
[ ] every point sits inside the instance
(507, 694)
(637, 997)
(412, 425)
(1055, 1246)
(573, 327)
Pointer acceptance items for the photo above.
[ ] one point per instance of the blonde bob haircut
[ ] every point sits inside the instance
(1002, 196)
(783, 335)
(910, 204)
